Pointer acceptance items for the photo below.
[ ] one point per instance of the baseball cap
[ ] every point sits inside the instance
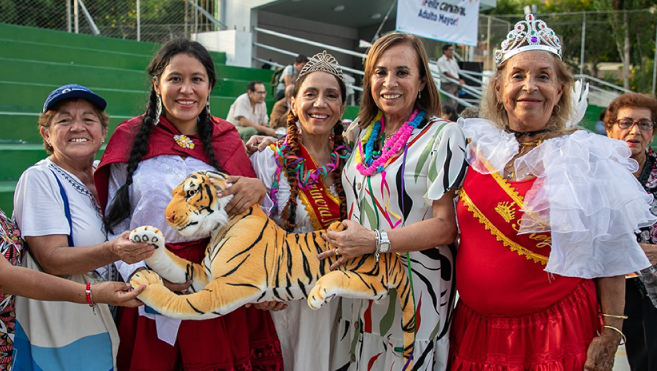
(73, 91)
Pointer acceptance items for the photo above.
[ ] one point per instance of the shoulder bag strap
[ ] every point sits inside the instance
(67, 209)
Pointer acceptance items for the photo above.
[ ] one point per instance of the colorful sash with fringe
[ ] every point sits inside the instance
(323, 207)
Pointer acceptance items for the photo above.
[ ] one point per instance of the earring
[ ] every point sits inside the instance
(207, 107)
(419, 94)
(158, 110)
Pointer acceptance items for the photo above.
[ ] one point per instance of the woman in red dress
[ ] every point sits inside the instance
(546, 215)
(145, 159)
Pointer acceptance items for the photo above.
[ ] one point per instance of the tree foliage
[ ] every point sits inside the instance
(605, 35)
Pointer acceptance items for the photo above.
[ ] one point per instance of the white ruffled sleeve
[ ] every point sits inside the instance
(586, 190)
(264, 165)
(447, 164)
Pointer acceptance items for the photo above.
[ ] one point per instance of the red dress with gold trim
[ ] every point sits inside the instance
(512, 315)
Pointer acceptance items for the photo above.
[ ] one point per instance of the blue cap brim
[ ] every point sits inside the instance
(93, 98)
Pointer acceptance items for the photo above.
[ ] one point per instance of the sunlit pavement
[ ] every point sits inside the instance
(621, 360)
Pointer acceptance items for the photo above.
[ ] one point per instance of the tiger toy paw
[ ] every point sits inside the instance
(319, 295)
(145, 277)
(316, 299)
(149, 235)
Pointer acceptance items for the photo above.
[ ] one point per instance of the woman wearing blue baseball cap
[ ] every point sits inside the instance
(57, 211)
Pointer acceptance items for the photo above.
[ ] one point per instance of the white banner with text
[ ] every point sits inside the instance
(453, 21)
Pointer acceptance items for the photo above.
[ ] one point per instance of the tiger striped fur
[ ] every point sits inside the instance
(250, 259)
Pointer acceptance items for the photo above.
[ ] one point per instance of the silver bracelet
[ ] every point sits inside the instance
(377, 240)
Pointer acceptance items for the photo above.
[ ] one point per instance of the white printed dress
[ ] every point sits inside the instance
(402, 194)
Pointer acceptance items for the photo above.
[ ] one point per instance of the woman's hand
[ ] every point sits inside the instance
(246, 192)
(354, 241)
(651, 252)
(269, 305)
(602, 351)
(258, 143)
(178, 288)
(117, 293)
(128, 251)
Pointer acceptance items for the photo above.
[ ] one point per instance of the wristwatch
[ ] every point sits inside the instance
(384, 242)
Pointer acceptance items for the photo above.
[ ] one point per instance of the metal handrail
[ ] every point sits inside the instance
(470, 89)
(436, 72)
(94, 29)
(603, 82)
(313, 43)
(459, 100)
(468, 72)
(344, 51)
(261, 60)
(287, 52)
(602, 91)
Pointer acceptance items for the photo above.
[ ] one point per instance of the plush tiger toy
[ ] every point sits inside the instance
(250, 259)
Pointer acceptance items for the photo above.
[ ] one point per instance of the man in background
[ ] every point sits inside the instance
(290, 74)
(278, 117)
(449, 68)
(249, 112)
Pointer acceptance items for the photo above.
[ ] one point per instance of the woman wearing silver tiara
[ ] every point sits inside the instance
(547, 217)
(302, 172)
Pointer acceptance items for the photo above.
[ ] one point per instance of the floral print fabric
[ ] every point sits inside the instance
(11, 247)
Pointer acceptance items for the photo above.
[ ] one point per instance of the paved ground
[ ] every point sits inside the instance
(621, 360)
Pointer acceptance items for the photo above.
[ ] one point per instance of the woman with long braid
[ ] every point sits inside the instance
(302, 172)
(145, 159)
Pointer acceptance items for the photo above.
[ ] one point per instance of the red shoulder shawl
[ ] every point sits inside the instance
(228, 148)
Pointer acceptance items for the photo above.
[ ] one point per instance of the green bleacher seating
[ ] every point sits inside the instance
(35, 61)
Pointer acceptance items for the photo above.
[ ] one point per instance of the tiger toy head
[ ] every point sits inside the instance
(195, 209)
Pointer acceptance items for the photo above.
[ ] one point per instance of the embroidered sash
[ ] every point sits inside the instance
(322, 206)
(497, 205)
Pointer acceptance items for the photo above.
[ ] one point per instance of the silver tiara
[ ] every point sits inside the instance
(323, 62)
(530, 34)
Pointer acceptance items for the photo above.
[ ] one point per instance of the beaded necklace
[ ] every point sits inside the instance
(296, 165)
(372, 162)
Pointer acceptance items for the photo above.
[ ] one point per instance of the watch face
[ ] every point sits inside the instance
(385, 242)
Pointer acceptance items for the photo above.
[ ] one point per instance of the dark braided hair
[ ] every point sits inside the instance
(120, 205)
(290, 211)
(338, 140)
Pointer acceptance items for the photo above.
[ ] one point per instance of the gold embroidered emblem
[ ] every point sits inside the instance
(506, 210)
(544, 241)
(513, 246)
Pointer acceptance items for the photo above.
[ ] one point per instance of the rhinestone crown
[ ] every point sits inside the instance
(323, 62)
(530, 34)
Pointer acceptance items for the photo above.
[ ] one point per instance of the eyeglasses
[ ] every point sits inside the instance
(261, 92)
(644, 125)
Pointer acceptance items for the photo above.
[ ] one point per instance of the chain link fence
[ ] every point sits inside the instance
(596, 43)
(147, 20)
